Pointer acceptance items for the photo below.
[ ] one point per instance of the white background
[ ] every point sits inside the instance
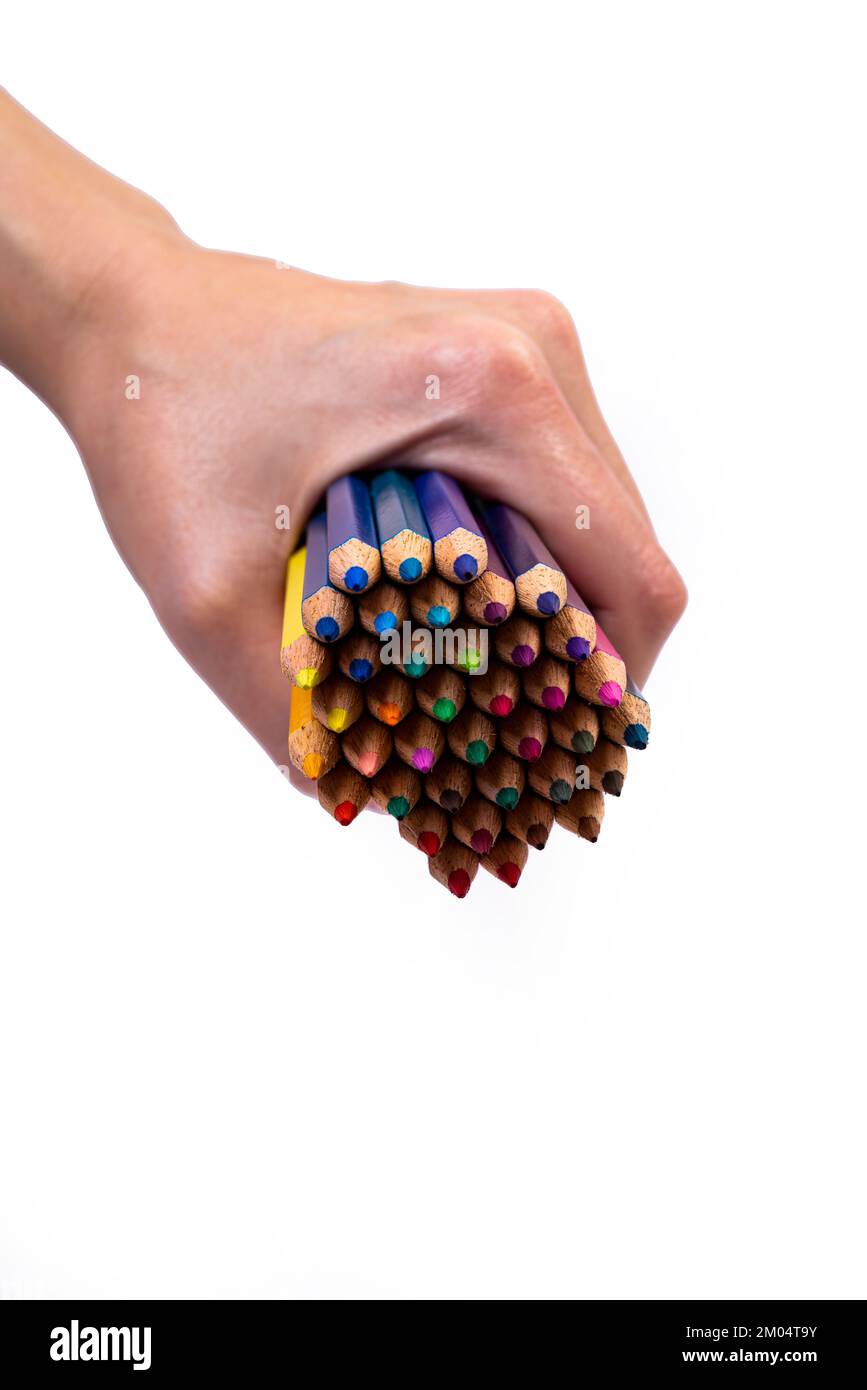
(246, 1053)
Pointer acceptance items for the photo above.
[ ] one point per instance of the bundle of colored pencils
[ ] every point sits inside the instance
(442, 665)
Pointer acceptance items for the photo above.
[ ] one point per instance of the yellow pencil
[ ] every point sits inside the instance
(302, 659)
(313, 750)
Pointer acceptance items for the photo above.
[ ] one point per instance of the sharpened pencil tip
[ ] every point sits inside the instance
(414, 669)
(360, 669)
(327, 630)
(438, 616)
(386, 621)
(451, 800)
(356, 579)
(530, 749)
(444, 710)
(578, 648)
(583, 741)
(337, 719)
(612, 782)
(307, 677)
(429, 843)
(537, 836)
(409, 570)
(368, 764)
(501, 705)
(507, 797)
(398, 806)
(560, 791)
(459, 883)
(312, 766)
(481, 841)
(494, 612)
(610, 694)
(509, 873)
(477, 752)
(548, 604)
(523, 655)
(423, 759)
(345, 813)
(389, 714)
(636, 736)
(553, 697)
(466, 568)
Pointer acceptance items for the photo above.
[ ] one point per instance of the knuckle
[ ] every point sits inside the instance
(663, 595)
(194, 601)
(551, 319)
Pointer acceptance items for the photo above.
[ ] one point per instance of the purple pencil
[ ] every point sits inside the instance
(571, 634)
(460, 553)
(539, 582)
(490, 599)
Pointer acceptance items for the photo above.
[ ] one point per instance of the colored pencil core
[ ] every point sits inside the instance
(360, 669)
(507, 797)
(450, 800)
(386, 621)
(494, 612)
(444, 710)
(438, 616)
(537, 835)
(409, 570)
(368, 764)
(429, 843)
(389, 714)
(466, 568)
(523, 656)
(610, 693)
(583, 741)
(313, 765)
(471, 662)
(423, 759)
(307, 677)
(578, 648)
(548, 603)
(560, 791)
(530, 749)
(345, 813)
(477, 752)
(635, 736)
(553, 697)
(459, 883)
(509, 873)
(501, 705)
(612, 783)
(336, 719)
(356, 579)
(414, 669)
(481, 841)
(327, 629)
(398, 807)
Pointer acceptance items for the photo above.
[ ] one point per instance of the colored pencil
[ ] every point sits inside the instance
(472, 736)
(546, 683)
(426, 826)
(449, 783)
(353, 546)
(629, 723)
(502, 779)
(358, 657)
(389, 697)
(302, 660)
(553, 775)
(460, 553)
(601, 679)
(582, 814)
(383, 609)
(337, 703)
(490, 599)
(576, 727)
(404, 543)
(343, 793)
(396, 788)
(367, 745)
(419, 741)
(532, 820)
(497, 691)
(478, 823)
(326, 612)
(313, 750)
(434, 601)
(524, 733)
(454, 867)
(441, 693)
(518, 641)
(607, 765)
(571, 633)
(539, 581)
(506, 859)
(468, 652)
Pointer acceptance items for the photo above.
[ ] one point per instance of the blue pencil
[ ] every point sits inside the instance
(404, 543)
(539, 582)
(325, 612)
(460, 552)
(353, 546)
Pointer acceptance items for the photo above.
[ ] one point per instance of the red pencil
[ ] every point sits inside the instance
(455, 867)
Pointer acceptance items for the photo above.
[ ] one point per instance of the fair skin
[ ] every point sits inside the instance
(261, 384)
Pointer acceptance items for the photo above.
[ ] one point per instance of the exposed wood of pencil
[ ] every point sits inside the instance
(384, 597)
(434, 595)
(518, 641)
(576, 727)
(547, 683)
(420, 741)
(359, 646)
(343, 793)
(449, 783)
(553, 775)
(582, 814)
(337, 703)
(569, 623)
(629, 723)
(501, 779)
(497, 691)
(367, 745)
(524, 732)
(307, 658)
(532, 819)
(468, 733)
(441, 693)
(426, 827)
(389, 696)
(313, 750)
(454, 867)
(396, 788)
(489, 589)
(506, 859)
